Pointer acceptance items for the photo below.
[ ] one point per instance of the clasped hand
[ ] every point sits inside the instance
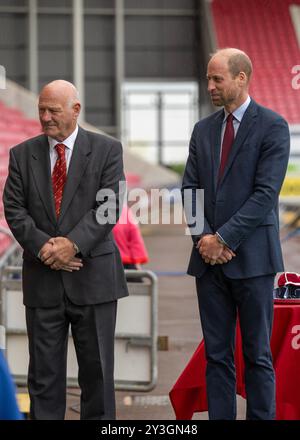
(59, 254)
(214, 252)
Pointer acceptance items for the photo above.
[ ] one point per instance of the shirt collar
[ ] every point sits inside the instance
(239, 112)
(68, 142)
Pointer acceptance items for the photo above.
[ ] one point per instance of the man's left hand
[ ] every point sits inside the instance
(210, 248)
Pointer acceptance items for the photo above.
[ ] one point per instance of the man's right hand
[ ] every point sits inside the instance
(46, 252)
(226, 256)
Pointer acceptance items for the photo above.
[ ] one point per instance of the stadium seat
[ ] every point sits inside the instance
(265, 31)
(14, 128)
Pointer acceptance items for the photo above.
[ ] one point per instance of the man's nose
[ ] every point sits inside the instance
(45, 116)
(210, 86)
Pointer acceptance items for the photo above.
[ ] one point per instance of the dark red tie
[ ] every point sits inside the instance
(59, 176)
(227, 143)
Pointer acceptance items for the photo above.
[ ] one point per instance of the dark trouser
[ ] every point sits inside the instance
(220, 298)
(93, 329)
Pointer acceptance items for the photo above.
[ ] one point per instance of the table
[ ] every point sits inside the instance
(188, 395)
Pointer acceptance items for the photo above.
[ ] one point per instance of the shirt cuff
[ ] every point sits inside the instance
(221, 240)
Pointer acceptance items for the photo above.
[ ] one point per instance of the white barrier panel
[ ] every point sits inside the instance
(134, 315)
(18, 357)
(132, 363)
(135, 307)
(15, 311)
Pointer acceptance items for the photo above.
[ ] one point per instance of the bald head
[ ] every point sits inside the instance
(59, 108)
(63, 89)
(237, 60)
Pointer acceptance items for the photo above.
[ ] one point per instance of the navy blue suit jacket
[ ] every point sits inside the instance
(243, 206)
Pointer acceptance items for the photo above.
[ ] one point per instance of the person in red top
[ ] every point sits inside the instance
(130, 241)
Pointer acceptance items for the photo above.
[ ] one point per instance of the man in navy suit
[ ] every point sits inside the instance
(239, 156)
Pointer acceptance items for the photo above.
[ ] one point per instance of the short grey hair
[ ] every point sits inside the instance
(238, 61)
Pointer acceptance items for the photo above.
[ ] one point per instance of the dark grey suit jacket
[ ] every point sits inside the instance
(243, 206)
(96, 163)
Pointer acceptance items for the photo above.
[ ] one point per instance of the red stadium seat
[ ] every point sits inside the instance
(5, 240)
(14, 128)
(265, 31)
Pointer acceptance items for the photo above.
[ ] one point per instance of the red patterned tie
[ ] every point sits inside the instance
(59, 176)
(227, 143)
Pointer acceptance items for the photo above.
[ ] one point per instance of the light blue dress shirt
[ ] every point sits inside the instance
(237, 119)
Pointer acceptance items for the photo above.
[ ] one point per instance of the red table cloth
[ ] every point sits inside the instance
(188, 395)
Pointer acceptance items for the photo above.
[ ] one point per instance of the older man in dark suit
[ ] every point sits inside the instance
(239, 157)
(72, 271)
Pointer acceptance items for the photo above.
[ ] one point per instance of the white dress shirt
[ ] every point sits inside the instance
(69, 143)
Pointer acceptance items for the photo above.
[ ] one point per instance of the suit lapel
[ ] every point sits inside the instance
(79, 161)
(246, 125)
(216, 130)
(40, 165)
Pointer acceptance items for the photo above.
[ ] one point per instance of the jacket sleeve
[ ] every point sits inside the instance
(269, 177)
(18, 219)
(192, 202)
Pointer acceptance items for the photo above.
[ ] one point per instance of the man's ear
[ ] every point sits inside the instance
(77, 108)
(242, 78)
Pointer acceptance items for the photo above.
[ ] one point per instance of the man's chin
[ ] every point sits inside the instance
(216, 101)
(50, 131)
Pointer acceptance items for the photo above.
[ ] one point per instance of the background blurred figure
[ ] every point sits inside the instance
(8, 404)
(130, 242)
